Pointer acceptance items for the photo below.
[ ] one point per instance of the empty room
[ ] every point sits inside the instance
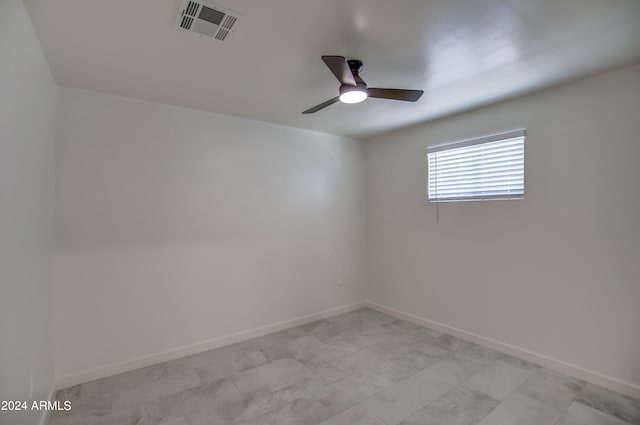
(337, 212)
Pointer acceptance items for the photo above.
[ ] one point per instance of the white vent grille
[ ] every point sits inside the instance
(228, 22)
(192, 8)
(221, 35)
(206, 19)
(186, 23)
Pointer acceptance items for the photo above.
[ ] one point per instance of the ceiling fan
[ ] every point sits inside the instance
(353, 89)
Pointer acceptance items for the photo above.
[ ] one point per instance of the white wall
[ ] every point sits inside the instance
(27, 135)
(176, 227)
(558, 273)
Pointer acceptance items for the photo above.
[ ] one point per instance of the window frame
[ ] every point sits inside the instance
(472, 142)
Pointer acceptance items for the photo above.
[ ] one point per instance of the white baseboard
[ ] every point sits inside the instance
(114, 369)
(614, 384)
(44, 416)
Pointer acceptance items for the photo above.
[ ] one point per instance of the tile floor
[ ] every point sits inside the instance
(360, 368)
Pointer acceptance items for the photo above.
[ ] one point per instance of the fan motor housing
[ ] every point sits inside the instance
(355, 65)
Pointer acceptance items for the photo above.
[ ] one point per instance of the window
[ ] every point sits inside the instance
(486, 168)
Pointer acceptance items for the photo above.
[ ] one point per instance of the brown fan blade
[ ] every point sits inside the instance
(396, 94)
(338, 65)
(321, 106)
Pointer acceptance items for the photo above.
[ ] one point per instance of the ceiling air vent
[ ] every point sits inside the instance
(204, 18)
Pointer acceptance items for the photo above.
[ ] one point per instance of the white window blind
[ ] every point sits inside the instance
(486, 168)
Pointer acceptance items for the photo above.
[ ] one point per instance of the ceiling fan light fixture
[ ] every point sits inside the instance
(353, 94)
(353, 89)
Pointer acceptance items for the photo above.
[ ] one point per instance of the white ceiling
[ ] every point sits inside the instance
(463, 53)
